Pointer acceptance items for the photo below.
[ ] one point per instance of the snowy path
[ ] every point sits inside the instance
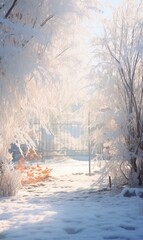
(66, 207)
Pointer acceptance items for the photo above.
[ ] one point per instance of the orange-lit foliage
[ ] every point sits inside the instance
(31, 154)
(33, 173)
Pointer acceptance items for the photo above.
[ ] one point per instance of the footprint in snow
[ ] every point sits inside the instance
(130, 228)
(116, 237)
(71, 230)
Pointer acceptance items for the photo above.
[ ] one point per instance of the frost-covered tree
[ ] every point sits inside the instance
(121, 67)
(42, 50)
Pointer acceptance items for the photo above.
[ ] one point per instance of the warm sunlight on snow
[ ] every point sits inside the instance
(71, 206)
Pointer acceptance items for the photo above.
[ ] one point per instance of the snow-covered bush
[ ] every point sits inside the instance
(10, 179)
(33, 173)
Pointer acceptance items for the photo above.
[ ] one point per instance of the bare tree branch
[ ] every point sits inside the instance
(10, 9)
(122, 170)
(46, 20)
(62, 52)
(41, 25)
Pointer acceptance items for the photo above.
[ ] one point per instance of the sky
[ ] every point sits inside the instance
(107, 10)
(113, 3)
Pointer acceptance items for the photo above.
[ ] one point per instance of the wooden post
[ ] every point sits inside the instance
(89, 142)
(110, 183)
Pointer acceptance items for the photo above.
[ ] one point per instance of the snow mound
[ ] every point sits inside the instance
(132, 192)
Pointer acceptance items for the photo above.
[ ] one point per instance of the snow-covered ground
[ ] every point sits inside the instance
(70, 206)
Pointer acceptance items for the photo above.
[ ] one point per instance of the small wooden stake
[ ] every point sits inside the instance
(110, 183)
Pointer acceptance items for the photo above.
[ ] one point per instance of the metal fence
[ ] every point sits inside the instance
(63, 139)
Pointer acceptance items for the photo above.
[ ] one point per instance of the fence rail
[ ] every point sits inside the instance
(63, 139)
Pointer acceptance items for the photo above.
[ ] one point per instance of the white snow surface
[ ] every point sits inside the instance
(70, 206)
